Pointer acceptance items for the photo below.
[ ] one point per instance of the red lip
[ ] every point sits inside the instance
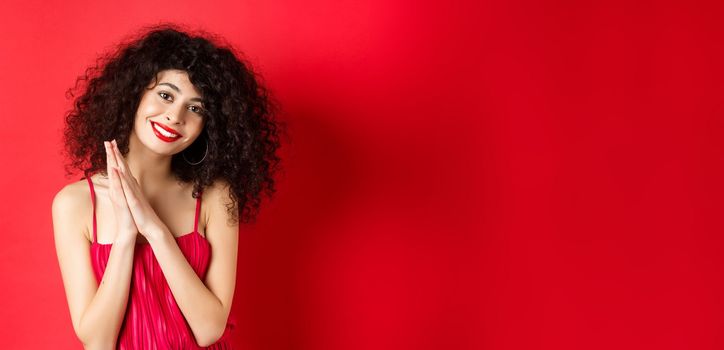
(164, 127)
(163, 137)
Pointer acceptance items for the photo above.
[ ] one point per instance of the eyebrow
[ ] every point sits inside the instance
(179, 91)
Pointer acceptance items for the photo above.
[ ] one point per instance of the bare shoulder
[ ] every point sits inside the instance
(72, 195)
(217, 199)
(217, 195)
(71, 204)
(219, 187)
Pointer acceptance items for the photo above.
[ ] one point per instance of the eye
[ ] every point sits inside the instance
(164, 95)
(197, 109)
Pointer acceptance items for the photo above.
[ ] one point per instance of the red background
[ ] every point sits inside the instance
(478, 175)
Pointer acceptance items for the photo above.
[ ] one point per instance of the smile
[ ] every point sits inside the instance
(163, 133)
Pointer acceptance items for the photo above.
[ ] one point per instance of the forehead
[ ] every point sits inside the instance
(178, 78)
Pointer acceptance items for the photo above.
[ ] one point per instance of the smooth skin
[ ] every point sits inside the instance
(141, 203)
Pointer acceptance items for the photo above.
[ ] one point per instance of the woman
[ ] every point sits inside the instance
(184, 117)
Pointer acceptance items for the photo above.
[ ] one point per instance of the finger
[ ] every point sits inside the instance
(110, 173)
(129, 191)
(111, 155)
(120, 161)
(125, 170)
(109, 160)
(117, 187)
(131, 198)
(127, 198)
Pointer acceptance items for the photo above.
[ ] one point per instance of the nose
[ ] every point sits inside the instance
(175, 115)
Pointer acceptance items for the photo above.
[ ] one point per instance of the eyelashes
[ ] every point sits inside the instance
(164, 95)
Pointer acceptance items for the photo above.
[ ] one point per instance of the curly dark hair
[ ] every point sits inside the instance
(240, 127)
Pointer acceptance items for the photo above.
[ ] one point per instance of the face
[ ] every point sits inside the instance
(169, 116)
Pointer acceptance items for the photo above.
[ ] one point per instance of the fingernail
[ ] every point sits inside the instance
(114, 142)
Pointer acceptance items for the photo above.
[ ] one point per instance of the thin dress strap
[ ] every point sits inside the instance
(93, 200)
(196, 217)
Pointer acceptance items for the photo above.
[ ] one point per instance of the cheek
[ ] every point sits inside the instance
(197, 126)
(148, 108)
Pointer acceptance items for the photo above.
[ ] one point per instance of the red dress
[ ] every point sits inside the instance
(153, 320)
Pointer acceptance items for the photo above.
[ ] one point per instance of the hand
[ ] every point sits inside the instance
(125, 226)
(145, 218)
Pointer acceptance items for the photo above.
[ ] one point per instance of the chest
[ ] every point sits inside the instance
(177, 211)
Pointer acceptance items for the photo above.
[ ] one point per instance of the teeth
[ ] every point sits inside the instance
(163, 132)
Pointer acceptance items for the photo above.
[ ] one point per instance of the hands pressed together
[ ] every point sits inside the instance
(132, 211)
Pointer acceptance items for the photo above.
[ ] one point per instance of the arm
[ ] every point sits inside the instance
(96, 312)
(206, 309)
